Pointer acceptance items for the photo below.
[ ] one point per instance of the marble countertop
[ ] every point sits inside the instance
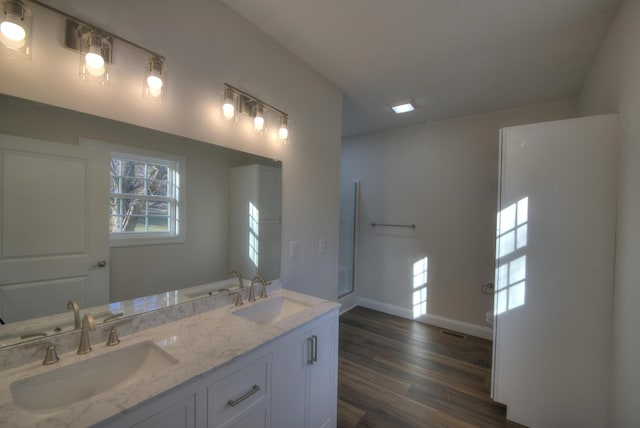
(200, 343)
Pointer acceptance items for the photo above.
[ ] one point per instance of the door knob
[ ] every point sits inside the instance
(100, 264)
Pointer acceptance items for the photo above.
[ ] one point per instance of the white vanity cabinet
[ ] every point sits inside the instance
(245, 383)
(305, 368)
(290, 381)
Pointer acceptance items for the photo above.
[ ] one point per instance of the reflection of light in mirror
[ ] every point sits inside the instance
(254, 233)
(420, 277)
(511, 270)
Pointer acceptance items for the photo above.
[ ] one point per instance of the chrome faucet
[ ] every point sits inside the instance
(72, 305)
(88, 324)
(252, 289)
(239, 275)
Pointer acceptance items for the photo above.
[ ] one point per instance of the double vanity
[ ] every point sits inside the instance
(210, 362)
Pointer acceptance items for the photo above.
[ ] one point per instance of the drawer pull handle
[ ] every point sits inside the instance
(253, 390)
(313, 349)
(310, 349)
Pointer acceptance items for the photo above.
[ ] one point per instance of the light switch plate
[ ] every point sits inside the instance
(293, 249)
(322, 246)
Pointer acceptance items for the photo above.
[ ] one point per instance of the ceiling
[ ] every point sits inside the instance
(451, 57)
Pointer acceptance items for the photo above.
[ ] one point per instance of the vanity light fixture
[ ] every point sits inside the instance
(283, 131)
(95, 58)
(155, 80)
(15, 29)
(258, 118)
(236, 101)
(92, 43)
(228, 104)
(403, 107)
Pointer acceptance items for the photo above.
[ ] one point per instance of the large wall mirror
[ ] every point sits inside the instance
(88, 211)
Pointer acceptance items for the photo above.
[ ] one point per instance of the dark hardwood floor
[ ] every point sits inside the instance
(399, 373)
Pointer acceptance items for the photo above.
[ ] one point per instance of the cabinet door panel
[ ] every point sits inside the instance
(322, 377)
(288, 393)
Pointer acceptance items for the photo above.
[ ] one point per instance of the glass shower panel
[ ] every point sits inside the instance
(347, 247)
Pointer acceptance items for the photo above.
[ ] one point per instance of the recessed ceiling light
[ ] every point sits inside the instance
(403, 108)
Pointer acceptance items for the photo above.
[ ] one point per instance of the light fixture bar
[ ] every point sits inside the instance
(254, 99)
(104, 32)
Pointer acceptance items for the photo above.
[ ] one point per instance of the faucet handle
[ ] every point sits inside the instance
(263, 290)
(238, 295)
(51, 356)
(113, 337)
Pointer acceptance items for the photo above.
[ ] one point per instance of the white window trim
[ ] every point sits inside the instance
(148, 238)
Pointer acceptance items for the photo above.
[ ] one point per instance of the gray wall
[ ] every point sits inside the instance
(443, 177)
(613, 86)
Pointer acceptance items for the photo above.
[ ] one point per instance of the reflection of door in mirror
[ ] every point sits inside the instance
(255, 220)
(54, 243)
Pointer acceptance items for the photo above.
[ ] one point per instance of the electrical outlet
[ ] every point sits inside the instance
(322, 246)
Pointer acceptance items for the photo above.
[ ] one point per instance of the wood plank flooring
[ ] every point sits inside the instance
(402, 374)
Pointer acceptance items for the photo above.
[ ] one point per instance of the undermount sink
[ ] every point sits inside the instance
(79, 381)
(272, 310)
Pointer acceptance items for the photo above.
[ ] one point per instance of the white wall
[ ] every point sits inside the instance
(207, 44)
(443, 177)
(613, 85)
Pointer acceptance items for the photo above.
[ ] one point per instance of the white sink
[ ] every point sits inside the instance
(67, 385)
(272, 310)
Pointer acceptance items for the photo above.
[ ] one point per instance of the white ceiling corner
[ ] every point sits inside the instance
(452, 57)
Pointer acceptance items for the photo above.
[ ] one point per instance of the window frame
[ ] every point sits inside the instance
(177, 213)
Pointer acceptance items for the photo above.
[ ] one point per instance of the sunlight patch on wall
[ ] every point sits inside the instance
(420, 278)
(511, 270)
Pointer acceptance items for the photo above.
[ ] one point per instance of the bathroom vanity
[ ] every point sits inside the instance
(268, 363)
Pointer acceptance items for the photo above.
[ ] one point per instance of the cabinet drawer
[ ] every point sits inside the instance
(240, 392)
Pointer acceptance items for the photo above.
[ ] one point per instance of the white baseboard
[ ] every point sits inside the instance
(481, 331)
(344, 308)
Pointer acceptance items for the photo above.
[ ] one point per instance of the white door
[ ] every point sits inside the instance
(554, 276)
(54, 240)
